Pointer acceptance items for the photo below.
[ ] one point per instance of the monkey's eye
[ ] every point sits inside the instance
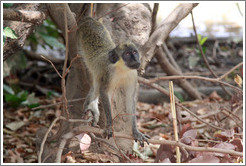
(127, 54)
(134, 52)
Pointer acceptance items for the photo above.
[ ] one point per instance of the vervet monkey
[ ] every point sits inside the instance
(110, 67)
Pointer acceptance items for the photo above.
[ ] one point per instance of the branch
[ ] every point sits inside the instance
(52, 65)
(154, 14)
(155, 86)
(51, 105)
(231, 70)
(35, 17)
(63, 80)
(162, 32)
(215, 80)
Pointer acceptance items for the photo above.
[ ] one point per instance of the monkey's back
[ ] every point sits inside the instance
(95, 42)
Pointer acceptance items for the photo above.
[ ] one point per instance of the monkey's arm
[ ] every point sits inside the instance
(131, 94)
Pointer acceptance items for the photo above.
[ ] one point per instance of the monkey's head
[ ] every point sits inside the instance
(126, 52)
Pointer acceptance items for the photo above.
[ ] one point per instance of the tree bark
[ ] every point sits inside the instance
(22, 29)
(35, 17)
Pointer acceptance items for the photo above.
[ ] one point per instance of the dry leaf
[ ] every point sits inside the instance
(238, 80)
(85, 141)
(15, 125)
(205, 159)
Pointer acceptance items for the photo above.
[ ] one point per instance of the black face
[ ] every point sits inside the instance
(131, 58)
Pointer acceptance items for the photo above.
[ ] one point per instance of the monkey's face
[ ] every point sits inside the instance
(125, 54)
(131, 58)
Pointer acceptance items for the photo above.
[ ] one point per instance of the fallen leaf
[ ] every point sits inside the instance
(238, 80)
(85, 141)
(214, 95)
(223, 145)
(185, 127)
(15, 125)
(166, 160)
(189, 136)
(164, 152)
(205, 159)
(238, 143)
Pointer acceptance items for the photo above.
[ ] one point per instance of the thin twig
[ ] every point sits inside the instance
(198, 118)
(231, 113)
(45, 138)
(67, 70)
(230, 116)
(231, 70)
(170, 56)
(175, 128)
(215, 80)
(63, 81)
(155, 86)
(52, 65)
(204, 57)
(51, 105)
(153, 19)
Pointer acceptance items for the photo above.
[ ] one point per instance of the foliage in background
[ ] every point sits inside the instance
(193, 60)
(46, 34)
(8, 32)
(7, 5)
(21, 98)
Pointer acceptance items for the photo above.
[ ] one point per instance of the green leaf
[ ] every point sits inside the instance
(30, 100)
(199, 37)
(203, 40)
(33, 105)
(8, 89)
(52, 93)
(4, 39)
(51, 41)
(7, 5)
(204, 49)
(23, 95)
(179, 96)
(8, 32)
(11, 98)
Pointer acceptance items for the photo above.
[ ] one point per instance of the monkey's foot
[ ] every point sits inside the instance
(108, 132)
(90, 114)
(138, 136)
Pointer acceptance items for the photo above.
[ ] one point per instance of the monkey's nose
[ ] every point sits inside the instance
(135, 65)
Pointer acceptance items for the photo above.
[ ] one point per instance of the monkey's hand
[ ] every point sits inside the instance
(138, 136)
(108, 132)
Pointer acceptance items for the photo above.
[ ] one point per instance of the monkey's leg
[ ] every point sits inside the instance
(131, 99)
(91, 104)
(107, 108)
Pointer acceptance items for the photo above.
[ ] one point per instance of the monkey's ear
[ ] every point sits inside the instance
(113, 56)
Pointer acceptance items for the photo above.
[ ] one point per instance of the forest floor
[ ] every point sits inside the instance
(20, 122)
